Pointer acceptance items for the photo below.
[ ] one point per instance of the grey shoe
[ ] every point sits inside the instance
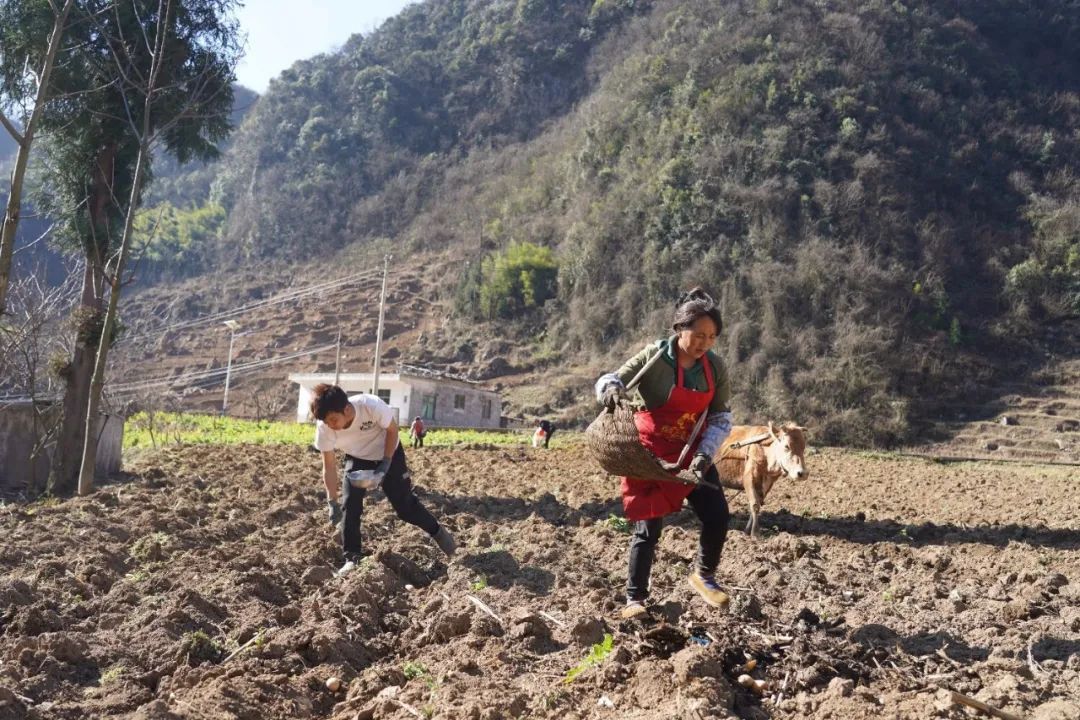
(633, 609)
(445, 541)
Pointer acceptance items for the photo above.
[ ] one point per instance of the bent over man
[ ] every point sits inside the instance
(364, 428)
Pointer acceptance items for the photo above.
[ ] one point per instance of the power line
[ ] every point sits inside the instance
(288, 296)
(212, 375)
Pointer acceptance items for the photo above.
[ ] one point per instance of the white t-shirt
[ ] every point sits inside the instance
(366, 437)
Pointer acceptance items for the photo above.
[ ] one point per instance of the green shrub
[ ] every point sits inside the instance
(521, 278)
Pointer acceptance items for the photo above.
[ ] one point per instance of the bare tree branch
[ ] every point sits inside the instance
(10, 127)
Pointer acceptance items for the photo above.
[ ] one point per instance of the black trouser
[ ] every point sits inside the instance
(547, 436)
(398, 488)
(710, 505)
(418, 440)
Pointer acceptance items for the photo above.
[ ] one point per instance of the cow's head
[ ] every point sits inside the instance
(785, 452)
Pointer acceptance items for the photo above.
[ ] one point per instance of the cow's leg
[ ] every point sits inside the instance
(753, 497)
(755, 511)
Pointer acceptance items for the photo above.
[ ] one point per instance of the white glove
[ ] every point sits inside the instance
(609, 389)
(701, 464)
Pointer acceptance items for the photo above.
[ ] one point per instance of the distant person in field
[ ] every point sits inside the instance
(548, 429)
(417, 432)
(363, 427)
(688, 379)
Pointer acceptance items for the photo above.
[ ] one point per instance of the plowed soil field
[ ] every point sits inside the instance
(201, 585)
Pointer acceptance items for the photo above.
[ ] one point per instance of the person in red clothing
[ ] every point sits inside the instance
(686, 381)
(417, 432)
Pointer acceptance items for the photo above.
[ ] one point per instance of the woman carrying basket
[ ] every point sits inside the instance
(686, 380)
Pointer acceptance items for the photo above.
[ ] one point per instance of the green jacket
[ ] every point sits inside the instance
(655, 387)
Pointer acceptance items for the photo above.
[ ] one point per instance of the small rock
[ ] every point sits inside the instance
(588, 631)
(694, 662)
(1009, 420)
(66, 647)
(775, 579)
(529, 625)
(957, 600)
(1056, 710)
(841, 687)
(943, 701)
(317, 575)
(808, 677)
(333, 684)
(1055, 580)
(1018, 610)
(746, 606)
(288, 615)
(484, 625)
(451, 625)
(1071, 617)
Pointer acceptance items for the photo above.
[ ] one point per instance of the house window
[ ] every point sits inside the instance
(485, 409)
(384, 395)
(427, 406)
(459, 402)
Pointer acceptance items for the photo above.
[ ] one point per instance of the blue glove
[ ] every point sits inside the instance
(334, 511)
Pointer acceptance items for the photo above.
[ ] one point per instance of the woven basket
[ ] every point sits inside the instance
(614, 442)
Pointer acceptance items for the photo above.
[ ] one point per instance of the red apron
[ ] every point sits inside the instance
(664, 432)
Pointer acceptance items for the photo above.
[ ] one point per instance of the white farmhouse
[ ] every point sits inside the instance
(442, 400)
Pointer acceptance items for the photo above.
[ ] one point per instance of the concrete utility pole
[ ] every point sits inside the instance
(233, 326)
(378, 333)
(337, 360)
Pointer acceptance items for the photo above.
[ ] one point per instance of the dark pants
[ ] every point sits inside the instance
(418, 440)
(398, 488)
(711, 508)
(547, 436)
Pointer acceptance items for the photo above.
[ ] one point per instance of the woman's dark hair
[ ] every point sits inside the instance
(693, 305)
(328, 399)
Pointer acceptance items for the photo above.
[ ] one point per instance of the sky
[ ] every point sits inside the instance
(280, 32)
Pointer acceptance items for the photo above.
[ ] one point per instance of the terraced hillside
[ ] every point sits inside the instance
(1034, 418)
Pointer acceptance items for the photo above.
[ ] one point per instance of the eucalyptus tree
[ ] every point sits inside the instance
(29, 45)
(148, 77)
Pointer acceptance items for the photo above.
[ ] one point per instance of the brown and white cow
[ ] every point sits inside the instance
(754, 457)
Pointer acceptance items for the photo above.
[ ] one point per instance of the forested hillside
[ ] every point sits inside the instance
(878, 191)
